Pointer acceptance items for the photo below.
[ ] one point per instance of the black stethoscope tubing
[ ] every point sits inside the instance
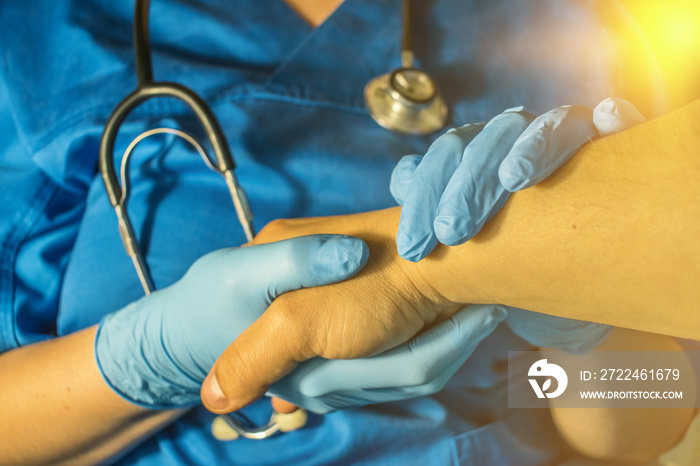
(147, 89)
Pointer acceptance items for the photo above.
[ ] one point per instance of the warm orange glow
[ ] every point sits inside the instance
(672, 29)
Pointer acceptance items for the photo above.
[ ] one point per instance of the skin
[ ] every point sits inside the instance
(64, 413)
(314, 12)
(93, 423)
(534, 254)
(613, 189)
(624, 434)
(611, 238)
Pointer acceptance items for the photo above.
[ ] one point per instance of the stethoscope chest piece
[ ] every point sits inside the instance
(406, 100)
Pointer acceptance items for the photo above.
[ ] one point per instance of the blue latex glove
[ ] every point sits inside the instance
(157, 351)
(419, 367)
(450, 193)
(467, 175)
(545, 331)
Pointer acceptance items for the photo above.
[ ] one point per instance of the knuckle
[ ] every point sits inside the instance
(273, 231)
(284, 312)
(292, 321)
(408, 163)
(205, 261)
(281, 229)
(210, 263)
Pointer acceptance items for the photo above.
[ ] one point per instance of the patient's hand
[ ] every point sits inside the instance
(383, 306)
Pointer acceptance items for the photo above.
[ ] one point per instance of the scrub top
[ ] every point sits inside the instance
(290, 101)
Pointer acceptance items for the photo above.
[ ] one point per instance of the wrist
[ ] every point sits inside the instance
(442, 283)
(448, 278)
(134, 363)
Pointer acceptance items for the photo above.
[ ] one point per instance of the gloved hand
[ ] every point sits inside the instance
(157, 351)
(419, 367)
(468, 174)
(451, 192)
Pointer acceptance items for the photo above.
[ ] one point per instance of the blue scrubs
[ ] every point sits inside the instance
(290, 100)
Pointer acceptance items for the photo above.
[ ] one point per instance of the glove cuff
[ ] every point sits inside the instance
(121, 345)
(570, 335)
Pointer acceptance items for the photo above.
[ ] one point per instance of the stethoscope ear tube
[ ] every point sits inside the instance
(143, 93)
(118, 193)
(131, 245)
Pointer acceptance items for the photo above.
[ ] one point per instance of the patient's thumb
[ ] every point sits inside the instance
(264, 353)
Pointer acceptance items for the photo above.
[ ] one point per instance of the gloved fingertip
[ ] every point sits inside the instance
(521, 110)
(613, 115)
(413, 255)
(496, 316)
(490, 312)
(606, 106)
(339, 257)
(453, 231)
(414, 249)
(512, 177)
(401, 176)
(477, 321)
(499, 313)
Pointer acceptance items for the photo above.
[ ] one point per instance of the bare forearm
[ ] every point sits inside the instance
(58, 409)
(611, 237)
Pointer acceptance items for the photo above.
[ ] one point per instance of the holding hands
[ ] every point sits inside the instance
(157, 351)
(463, 180)
(477, 187)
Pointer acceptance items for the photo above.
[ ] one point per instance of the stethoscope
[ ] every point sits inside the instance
(406, 100)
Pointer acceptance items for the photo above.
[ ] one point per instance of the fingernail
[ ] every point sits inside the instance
(212, 394)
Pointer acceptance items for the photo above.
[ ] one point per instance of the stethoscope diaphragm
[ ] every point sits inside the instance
(406, 100)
